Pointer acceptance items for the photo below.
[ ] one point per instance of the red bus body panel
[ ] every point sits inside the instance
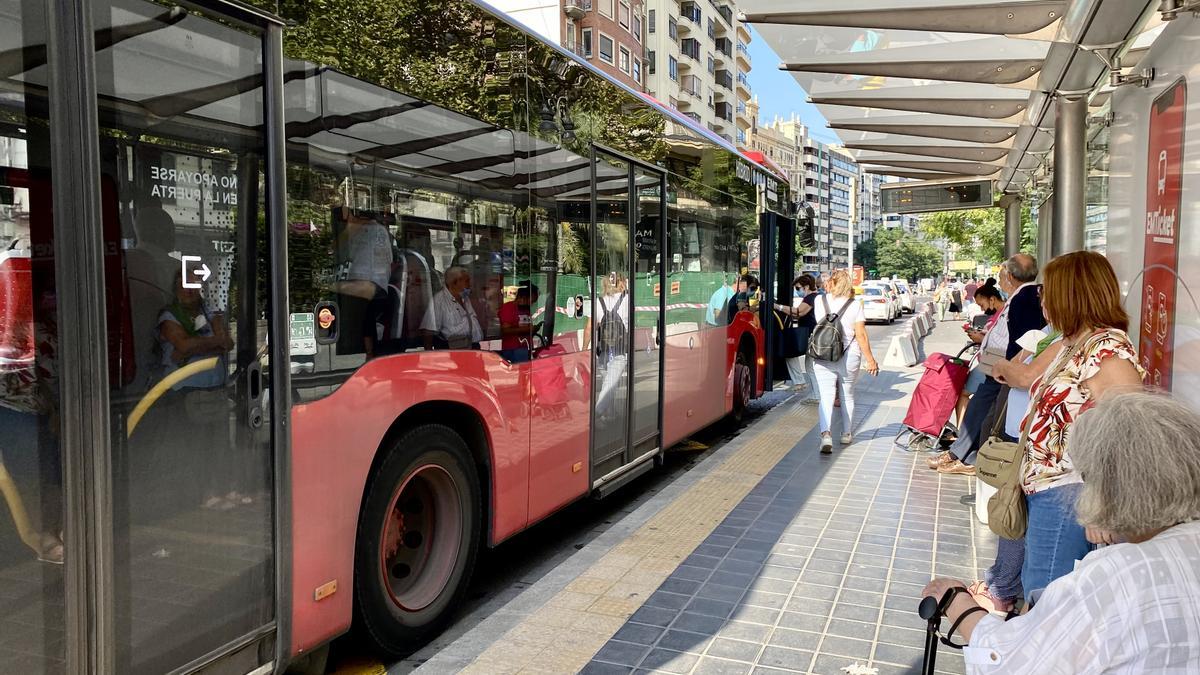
(538, 445)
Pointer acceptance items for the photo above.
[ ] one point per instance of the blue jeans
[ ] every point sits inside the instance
(1054, 539)
(1004, 576)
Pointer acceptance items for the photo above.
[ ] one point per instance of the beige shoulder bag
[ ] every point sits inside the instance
(999, 465)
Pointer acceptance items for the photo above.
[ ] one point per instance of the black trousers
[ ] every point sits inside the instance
(976, 425)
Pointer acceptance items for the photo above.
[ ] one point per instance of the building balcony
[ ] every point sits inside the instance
(690, 11)
(743, 32)
(724, 47)
(743, 55)
(725, 111)
(577, 9)
(724, 78)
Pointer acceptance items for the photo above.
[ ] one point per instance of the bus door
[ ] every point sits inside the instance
(627, 311)
(192, 467)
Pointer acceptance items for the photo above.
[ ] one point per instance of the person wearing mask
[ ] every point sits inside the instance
(1131, 607)
(804, 294)
(745, 297)
(1001, 586)
(516, 325)
(834, 375)
(450, 320)
(990, 303)
(718, 304)
(1021, 313)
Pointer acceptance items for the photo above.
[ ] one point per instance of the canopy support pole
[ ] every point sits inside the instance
(1070, 174)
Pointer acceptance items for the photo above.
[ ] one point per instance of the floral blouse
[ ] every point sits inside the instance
(1051, 414)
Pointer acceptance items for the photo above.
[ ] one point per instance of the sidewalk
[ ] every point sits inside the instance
(766, 558)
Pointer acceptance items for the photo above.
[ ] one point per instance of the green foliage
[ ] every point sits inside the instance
(866, 254)
(899, 253)
(979, 233)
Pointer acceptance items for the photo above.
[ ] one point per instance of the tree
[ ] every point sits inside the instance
(899, 253)
(979, 233)
(866, 253)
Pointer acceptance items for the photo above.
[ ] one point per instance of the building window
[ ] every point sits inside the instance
(650, 23)
(637, 71)
(637, 28)
(605, 7)
(623, 16)
(623, 63)
(606, 48)
(673, 68)
(569, 40)
(712, 64)
(673, 28)
(650, 62)
(587, 43)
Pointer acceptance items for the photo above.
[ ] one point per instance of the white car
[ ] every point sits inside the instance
(908, 299)
(876, 305)
(890, 292)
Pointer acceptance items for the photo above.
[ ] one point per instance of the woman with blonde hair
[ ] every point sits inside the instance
(839, 305)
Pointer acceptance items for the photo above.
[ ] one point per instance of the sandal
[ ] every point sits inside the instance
(52, 550)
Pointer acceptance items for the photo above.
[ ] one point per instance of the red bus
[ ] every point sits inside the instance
(373, 299)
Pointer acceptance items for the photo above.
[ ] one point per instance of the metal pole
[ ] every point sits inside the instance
(1069, 174)
(1012, 224)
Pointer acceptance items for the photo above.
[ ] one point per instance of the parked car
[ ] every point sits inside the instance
(908, 299)
(891, 292)
(876, 305)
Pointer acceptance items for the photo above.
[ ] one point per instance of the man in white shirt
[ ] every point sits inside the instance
(451, 317)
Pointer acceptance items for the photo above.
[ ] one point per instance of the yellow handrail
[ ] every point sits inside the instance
(161, 388)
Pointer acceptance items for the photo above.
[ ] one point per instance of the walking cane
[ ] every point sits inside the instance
(932, 610)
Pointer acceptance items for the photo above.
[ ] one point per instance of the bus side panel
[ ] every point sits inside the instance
(334, 442)
(559, 430)
(695, 391)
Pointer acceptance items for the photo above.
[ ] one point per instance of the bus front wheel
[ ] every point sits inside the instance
(743, 387)
(418, 537)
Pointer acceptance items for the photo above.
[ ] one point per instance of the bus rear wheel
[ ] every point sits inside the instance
(418, 537)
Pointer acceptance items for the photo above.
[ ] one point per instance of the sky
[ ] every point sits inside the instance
(779, 93)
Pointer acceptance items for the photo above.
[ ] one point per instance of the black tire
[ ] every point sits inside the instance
(431, 467)
(743, 387)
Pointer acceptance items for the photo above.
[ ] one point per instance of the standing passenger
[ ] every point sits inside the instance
(612, 353)
(839, 298)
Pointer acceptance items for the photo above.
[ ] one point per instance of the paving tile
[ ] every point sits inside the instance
(860, 630)
(684, 641)
(638, 633)
(800, 621)
(621, 653)
(717, 608)
(782, 657)
(597, 668)
(795, 639)
(832, 664)
(737, 650)
(715, 666)
(843, 646)
(654, 616)
(667, 600)
(855, 612)
(698, 623)
(760, 615)
(903, 656)
(664, 660)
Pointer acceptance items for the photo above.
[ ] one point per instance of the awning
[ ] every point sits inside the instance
(950, 89)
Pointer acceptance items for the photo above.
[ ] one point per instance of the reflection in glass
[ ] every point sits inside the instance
(181, 157)
(32, 629)
(611, 315)
(647, 296)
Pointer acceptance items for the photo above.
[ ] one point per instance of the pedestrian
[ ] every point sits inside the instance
(1021, 314)
(1132, 607)
(839, 304)
(804, 297)
(941, 297)
(1082, 299)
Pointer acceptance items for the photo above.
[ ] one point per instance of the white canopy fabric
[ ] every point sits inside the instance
(948, 88)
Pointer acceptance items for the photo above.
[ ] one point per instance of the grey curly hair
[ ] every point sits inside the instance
(1139, 457)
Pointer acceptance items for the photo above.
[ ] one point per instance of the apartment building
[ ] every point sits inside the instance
(870, 206)
(697, 58)
(610, 34)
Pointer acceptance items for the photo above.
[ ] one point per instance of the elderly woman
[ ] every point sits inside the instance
(1133, 607)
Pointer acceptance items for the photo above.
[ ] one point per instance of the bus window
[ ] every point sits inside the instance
(404, 226)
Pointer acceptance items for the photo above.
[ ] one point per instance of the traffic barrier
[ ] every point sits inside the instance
(902, 352)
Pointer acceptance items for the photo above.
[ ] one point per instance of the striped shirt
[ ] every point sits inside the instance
(1128, 608)
(452, 320)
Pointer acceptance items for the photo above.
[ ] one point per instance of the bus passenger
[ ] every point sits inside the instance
(718, 304)
(370, 267)
(516, 324)
(451, 321)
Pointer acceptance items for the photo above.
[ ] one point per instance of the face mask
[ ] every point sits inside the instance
(1003, 295)
(466, 293)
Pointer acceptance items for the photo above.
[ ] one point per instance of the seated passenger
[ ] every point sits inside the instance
(516, 324)
(1128, 607)
(451, 321)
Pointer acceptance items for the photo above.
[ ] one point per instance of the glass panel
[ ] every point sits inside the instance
(647, 295)
(611, 311)
(181, 147)
(31, 552)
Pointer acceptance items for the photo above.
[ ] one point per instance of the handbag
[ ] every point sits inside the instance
(988, 358)
(999, 465)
